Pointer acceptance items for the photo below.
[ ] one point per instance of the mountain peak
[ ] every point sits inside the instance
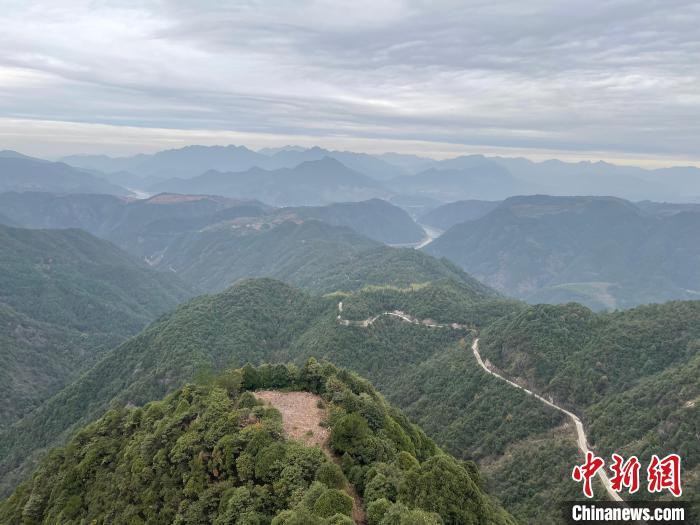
(325, 162)
(10, 154)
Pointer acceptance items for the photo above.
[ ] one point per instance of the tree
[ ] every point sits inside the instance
(349, 433)
(331, 502)
(443, 486)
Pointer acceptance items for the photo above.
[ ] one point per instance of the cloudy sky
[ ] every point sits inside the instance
(617, 80)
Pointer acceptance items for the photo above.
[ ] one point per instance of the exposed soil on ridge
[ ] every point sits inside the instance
(301, 420)
(301, 417)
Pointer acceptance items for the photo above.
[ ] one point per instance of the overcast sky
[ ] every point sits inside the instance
(618, 80)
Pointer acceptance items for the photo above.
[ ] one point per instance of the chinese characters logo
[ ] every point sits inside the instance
(662, 474)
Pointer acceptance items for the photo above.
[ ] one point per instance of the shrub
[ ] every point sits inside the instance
(376, 511)
(330, 474)
(333, 502)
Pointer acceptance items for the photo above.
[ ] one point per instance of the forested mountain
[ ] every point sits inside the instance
(215, 453)
(20, 173)
(71, 278)
(310, 183)
(147, 227)
(39, 358)
(255, 321)
(143, 227)
(65, 298)
(303, 253)
(600, 251)
(43, 210)
(632, 375)
(679, 184)
(376, 219)
(524, 447)
(667, 208)
(445, 216)
(311, 254)
(263, 320)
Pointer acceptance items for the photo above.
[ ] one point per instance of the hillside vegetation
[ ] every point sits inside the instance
(445, 216)
(562, 249)
(214, 454)
(375, 218)
(149, 227)
(266, 321)
(71, 278)
(523, 447)
(39, 358)
(632, 376)
(313, 255)
(66, 297)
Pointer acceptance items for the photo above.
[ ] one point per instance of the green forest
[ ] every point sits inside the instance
(632, 376)
(524, 450)
(213, 453)
(66, 298)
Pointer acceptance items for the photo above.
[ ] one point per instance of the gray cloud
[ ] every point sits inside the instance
(617, 77)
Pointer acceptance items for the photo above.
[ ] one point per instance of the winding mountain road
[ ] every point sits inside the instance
(364, 323)
(580, 433)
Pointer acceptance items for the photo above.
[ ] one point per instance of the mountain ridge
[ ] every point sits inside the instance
(557, 249)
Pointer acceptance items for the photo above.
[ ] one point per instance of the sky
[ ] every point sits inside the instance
(615, 80)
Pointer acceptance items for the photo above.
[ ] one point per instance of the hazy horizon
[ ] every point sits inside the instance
(440, 154)
(567, 80)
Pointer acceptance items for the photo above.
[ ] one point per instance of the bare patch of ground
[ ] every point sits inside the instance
(172, 198)
(301, 420)
(301, 417)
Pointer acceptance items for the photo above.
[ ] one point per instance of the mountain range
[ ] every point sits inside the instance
(176, 419)
(447, 215)
(524, 447)
(309, 183)
(192, 161)
(601, 251)
(147, 227)
(299, 176)
(472, 176)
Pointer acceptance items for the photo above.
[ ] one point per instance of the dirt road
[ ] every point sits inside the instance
(580, 433)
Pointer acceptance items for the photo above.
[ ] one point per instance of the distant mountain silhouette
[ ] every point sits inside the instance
(310, 183)
(21, 173)
(192, 161)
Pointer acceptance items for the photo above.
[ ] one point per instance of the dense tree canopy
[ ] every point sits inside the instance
(213, 453)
